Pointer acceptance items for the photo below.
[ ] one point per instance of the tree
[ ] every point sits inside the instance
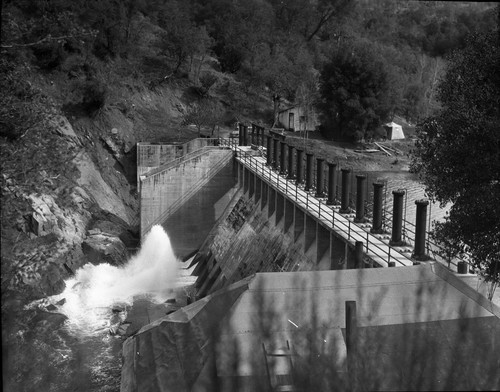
(205, 113)
(356, 92)
(180, 38)
(457, 155)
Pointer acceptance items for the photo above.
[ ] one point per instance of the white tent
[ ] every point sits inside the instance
(394, 131)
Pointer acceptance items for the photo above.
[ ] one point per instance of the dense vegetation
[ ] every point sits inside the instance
(458, 155)
(274, 48)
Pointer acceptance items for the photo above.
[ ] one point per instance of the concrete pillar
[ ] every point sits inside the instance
(320, 178)
(275, 154)
(280, 208)
(291, 171)
(358, 254)
(300, 166)
(462, 267)
(397, 217)
(360, 198)
(264, 194)
(309, 171)
(259, 140)
(346, 185)
(253, 134)
(421, 220)
(258, 189)
(322, 244)
(299, 223)
(378, 188)
(289, 215)
(245, 135)
(269, 161)
(282, 157)
(240, 134)
(332, 182)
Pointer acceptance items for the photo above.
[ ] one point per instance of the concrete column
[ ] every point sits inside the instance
(240, 134)
(291, 173)
(378, 188)
(462, 267)
(300, 166)
(346, 185)
(397, 217)
(245, 135)
(253, 134)
(360, 198)
(275, 154)
(421, 220)
(259, 140)
(358, 254)
(309, 171)
(269, 161)
(332, 182)
(320, 178)
(282, 157)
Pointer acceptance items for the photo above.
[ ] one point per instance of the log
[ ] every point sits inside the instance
(383, 149)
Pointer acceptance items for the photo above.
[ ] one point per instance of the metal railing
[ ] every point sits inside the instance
(375, 248)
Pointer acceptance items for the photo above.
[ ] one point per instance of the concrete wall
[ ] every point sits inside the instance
(150, 156)
(188, 227)
(166, 189)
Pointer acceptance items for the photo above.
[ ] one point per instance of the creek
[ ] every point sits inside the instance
(101, 302)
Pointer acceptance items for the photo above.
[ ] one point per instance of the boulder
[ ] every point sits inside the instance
(99, 248)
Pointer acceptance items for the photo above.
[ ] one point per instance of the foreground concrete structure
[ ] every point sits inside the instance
(417, 328)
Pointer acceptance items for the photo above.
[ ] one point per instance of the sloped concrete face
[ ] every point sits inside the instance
(247, 241)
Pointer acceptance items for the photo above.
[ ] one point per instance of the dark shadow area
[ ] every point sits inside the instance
(188, 227)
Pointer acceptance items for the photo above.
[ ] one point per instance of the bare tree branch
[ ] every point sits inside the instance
(48, 38)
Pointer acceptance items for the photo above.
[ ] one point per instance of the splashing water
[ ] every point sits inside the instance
(90, 295)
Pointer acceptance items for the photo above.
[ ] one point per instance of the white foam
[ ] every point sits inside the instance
(95, 288)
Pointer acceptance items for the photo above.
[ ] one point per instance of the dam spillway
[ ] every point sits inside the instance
(259, 286)
(278, 222)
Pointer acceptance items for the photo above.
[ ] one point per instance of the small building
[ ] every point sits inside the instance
(295, 118)
(394, 131)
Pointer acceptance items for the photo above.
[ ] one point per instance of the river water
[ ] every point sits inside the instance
(98, 300)
(100, 297)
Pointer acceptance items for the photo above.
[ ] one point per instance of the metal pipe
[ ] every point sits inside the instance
(377, 207)
(332, 182)
(397, 217)
(283, 167)
(320, 178)
(420, 223)
(360, 198)
(275, 154)
(309, 171)
(346, 185)
(269, 150)
(291, 171)
(300, 166)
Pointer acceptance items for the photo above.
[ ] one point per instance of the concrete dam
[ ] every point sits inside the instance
(296, 275)
(243, 208)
